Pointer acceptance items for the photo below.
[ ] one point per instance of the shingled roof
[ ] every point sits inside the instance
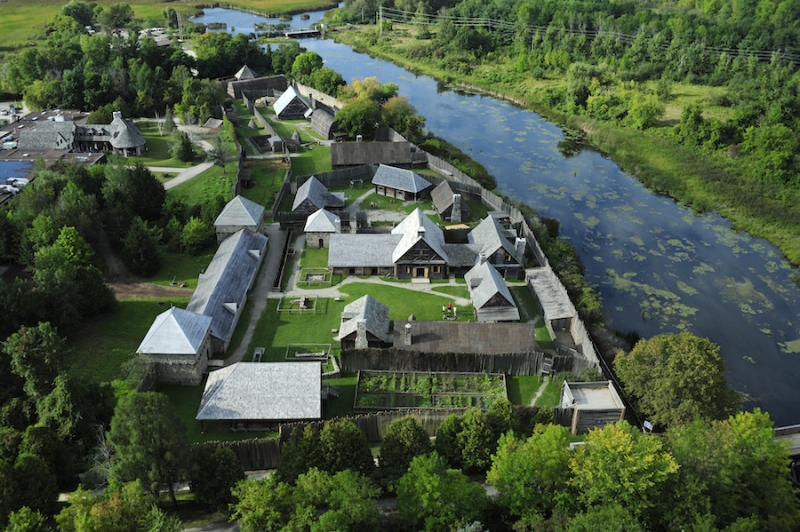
(490, 236)
(123, 134)
(353, 251)
(370, 309)
(360, 153)
(288, 96)
(321, 221)
(484, 283)
(240, 212)
(256, 391)
(317, 193)
(415, 227)
(399, 179)
(245, 73)
(223, 286)
(175, 332)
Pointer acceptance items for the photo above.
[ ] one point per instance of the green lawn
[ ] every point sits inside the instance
(552, 394)
(312, 160)
(158, 149)
(103, 344)
(342, 405)
(458, 291)
(522, 388)
(353, 193)
(268, 177)
(392, 204)
(314, 258)
(528, 309)
(186, 400)
(181, 268)
(208, 185)
(403, 302)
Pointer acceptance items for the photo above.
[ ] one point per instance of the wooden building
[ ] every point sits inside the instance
(594, 404)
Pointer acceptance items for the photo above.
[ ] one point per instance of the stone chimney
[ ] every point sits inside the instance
(361, 334)
(482, 258)
(519, 246)
(337, 225)
(455, 214)
(117, 114)
(407, 339)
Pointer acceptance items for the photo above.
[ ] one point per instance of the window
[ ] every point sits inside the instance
(437, 269)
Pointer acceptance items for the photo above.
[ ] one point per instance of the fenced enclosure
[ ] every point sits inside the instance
(314, 277)
(386, 390)
(302, 305)
(314, 352)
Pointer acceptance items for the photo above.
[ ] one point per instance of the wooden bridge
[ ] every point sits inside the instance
(791, 435)
(302, 33)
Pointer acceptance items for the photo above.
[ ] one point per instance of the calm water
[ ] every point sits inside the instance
(242, 22)
(659, 268)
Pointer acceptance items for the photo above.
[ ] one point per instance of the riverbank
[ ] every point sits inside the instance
(700, 181)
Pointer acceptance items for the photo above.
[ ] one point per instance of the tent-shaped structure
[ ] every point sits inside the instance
(490, 295)
(261, 392)
(179, 343)
(290, 105)
(239, 213)
(399, 183)
(365, 323)
(245, 73)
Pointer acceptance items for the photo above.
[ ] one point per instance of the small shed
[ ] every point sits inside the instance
(594, 404)
(399, 183)
(319, 227)
(275, 143)
(247, 393)
(490, 295)
(448, 204)
(291, 106)
(239, 213)
(324, 123)
(313, 195)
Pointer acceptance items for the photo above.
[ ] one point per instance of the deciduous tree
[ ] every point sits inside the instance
(344, 446)
(677, 378)
(36, 356)
(214, 473)
(404, 439)
(140, 248)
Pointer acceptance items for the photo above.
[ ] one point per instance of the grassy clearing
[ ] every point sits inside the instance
(186, 400)
(457, 291)
(158, 149)
(403, 302)
(377, 201)
(522, 388)
(343, 405)
(208, 185)
(181, 268)
(314, 258)
(103, 344)
(241, 327)
(528, 308)
(353, 193)
(312, 160)
(268, 177)
(551, 396)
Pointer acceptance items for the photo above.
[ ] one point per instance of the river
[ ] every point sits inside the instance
(659, 267)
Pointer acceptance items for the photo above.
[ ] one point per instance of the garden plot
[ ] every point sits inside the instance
(313, 277)
(301, 305)
(310, 352)
(383, 390)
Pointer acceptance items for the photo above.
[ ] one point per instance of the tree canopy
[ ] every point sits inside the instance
(677, 378)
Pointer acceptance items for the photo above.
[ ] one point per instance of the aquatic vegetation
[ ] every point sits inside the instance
(686, 289)
(703, 268)
(744, 294)
(790, 347)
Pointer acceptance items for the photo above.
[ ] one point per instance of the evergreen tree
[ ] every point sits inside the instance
(140, 248)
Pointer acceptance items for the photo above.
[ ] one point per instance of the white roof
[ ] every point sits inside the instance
(286, 98)
(263, 391)
(175, 332)
(321, 221)
(240, 212)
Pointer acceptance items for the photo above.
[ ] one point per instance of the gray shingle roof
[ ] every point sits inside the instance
(321, 221)
(124, 134)
(240, 212)
(353, 251)
(288, 96)
(399, 179)
(373, 311)
(47, 135)
(175, 332)
(245, 73)
(551, 294)
(359, 153)
(490, 236)
(411, 227)
(223, 287)
(462, 255)
(484, 282)
(317, 193)
(263, 391)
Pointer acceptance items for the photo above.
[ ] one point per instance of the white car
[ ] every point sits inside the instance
(8, 188)
(17, 182)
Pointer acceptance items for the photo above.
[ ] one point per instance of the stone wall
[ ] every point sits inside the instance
(186, 370)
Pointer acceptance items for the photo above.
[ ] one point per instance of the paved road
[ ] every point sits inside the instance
(184, 174)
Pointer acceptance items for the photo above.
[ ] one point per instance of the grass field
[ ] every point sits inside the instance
(105, 343)
(208, 185)
(23, 21)
(552, 394)
(457, 291)
(158, 149)
(181, 268)
(522, 388)
(268, 177)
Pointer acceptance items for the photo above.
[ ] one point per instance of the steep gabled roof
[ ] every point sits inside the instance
(225, 282)
(286, 98)
(321, 221)
(366, 308)
(490, 236)
(415, 227)
(175, 332)
(359, 153)
(263, 391)
(317, 193)
(245, 73)
(399, 179)
(124, 134)
(240, 212)
(485, 282)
